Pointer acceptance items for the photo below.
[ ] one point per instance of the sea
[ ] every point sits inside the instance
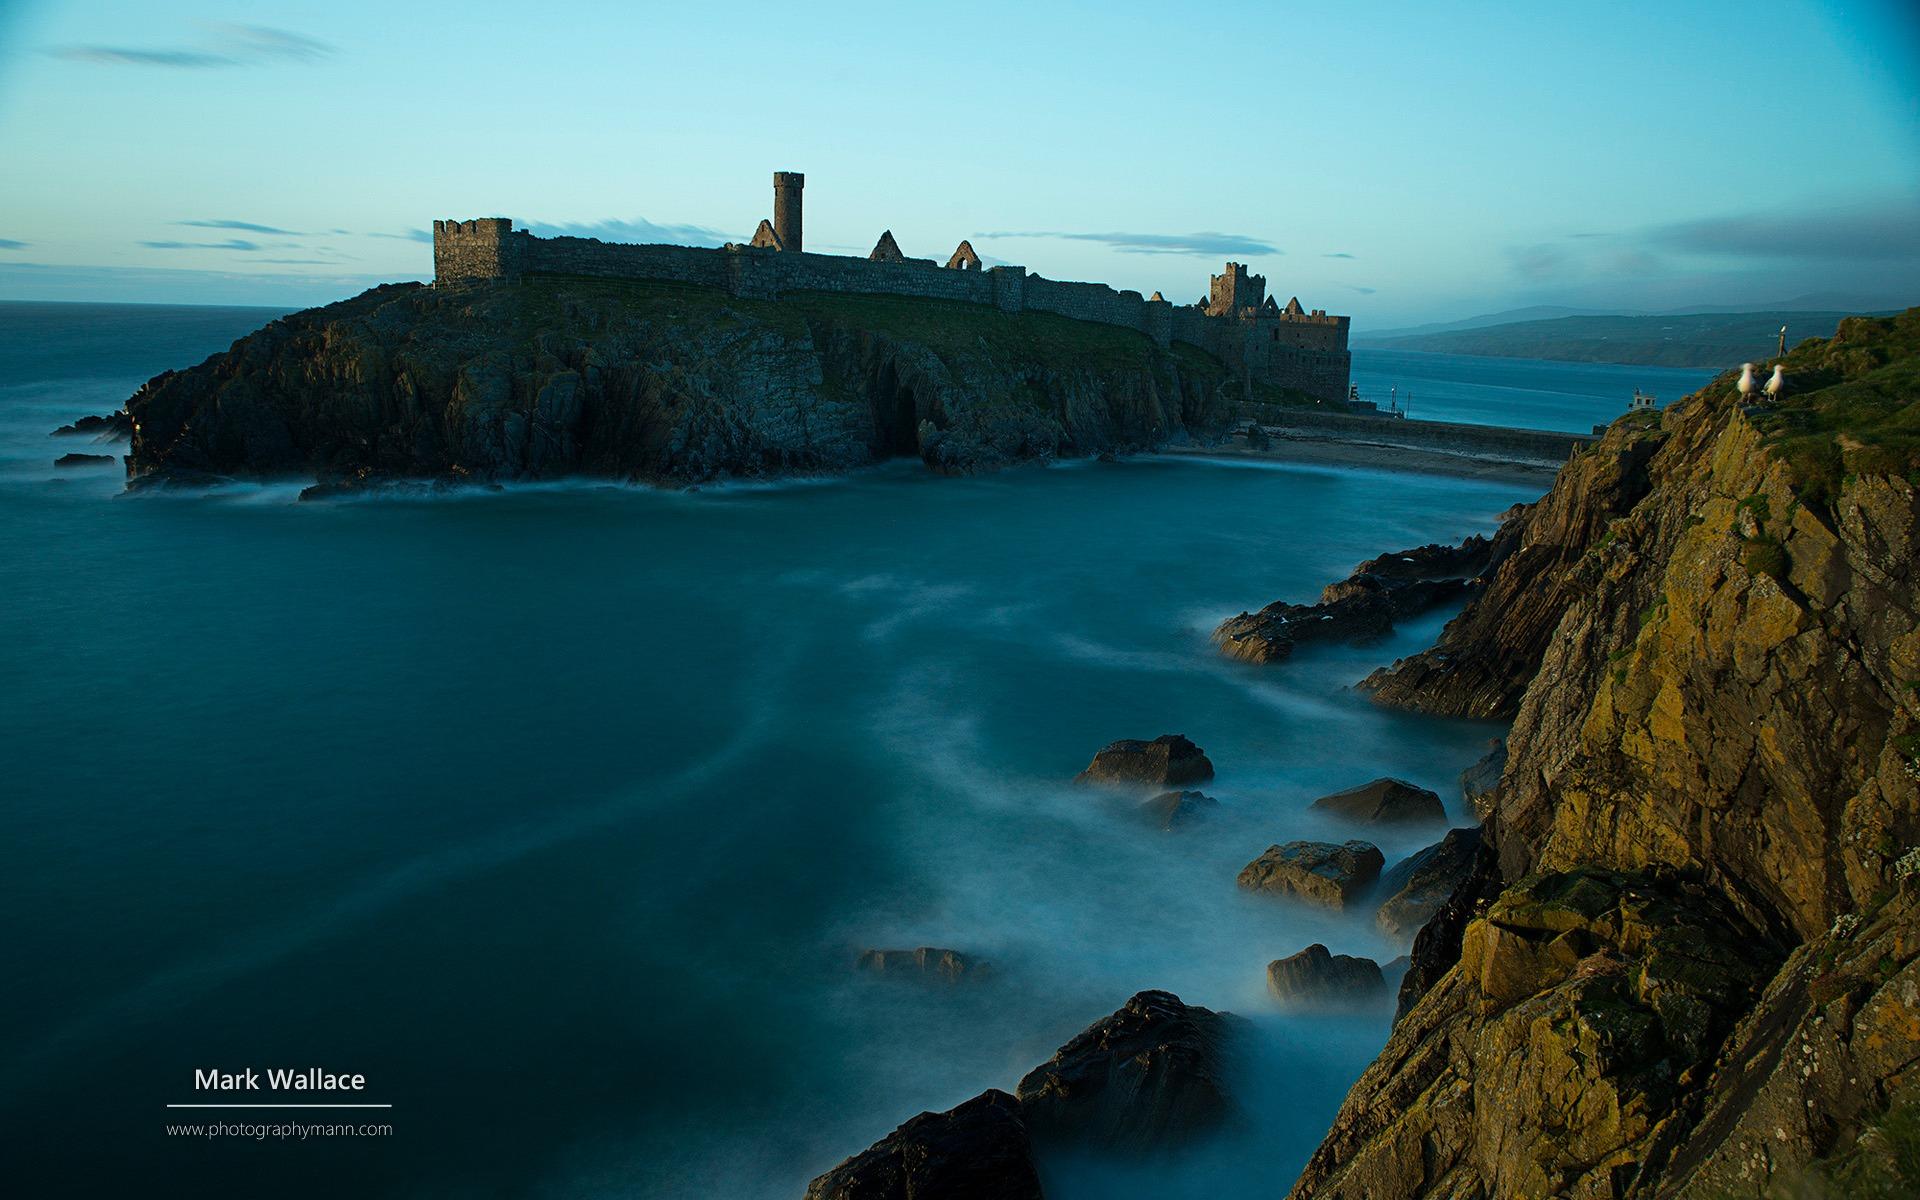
(561, 813)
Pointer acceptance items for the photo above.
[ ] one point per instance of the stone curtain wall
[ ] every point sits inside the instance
(1315, 372)
(1308, 353)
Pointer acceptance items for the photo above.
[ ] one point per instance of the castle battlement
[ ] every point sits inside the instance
(1238, 323)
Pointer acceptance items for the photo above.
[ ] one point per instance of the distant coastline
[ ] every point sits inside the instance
(1709, 340)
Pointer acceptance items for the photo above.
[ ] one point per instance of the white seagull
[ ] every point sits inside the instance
(1778, 383)
(1746, 384)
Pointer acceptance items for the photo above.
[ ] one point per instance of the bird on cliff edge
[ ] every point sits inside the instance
(1778, 383)
(1745, 386)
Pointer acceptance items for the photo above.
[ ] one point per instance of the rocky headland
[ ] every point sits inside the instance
(656, 382)
(1685, 961)
(1681, 956)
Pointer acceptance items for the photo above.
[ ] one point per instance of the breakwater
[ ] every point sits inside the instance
(1491, 441)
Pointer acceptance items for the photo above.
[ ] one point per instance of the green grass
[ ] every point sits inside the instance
(1852, 408)
(1275, 396)
(947, 327)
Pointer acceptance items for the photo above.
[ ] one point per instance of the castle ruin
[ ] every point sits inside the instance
(1236, 322)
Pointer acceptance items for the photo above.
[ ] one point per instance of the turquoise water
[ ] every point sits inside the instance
(560, 813)
(1526, 392)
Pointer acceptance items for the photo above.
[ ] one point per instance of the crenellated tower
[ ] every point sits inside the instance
(484, 248)
(1233, 290)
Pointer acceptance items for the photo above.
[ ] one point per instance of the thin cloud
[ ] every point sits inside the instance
(232, 244)
(411, 235)
(638, 229)
(1203, 245)
(230, 45)
(1861, 231)
(133, 56)
(264, 41)
(244, 226)
(1364, 291)
(1337, 254)
(10, 244)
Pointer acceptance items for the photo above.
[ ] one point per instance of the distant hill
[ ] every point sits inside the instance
(1537, 312)
(1670, 340)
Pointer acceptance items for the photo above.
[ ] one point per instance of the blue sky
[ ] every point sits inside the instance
(1401, 162)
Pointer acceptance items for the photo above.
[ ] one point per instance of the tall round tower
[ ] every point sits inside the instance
(786, 207)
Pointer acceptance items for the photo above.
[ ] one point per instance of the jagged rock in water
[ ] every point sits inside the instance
(1146, 1078)
(1323, 872)
(931, 963)
(1356, 610)
(1415, 889)
(1436, 947)
(1317, 978)
(84, 460)
(1477, 782)
(1436, 560)
(113, 425)
(1169, 760)
(554, 377)
(975, 1150)
(1383, 802)
(1176, 810)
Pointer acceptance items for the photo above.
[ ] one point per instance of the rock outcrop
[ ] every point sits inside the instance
(1360, 608)
(654, 382)
(1144, 1080)
(1682, 963)
(1383, 802)
(1328, 873)
(1317, 978)
(1169, 760)
(84, 460)
(976, 1149)
(1147, 1077)
(1173, 811)
(100, 428)
(1436, 560)
(1416, 889)
(1479, 781)
(931, 963)
(1555, 1058)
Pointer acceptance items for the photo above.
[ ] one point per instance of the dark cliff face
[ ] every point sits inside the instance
(1706, 635)
(553, 377)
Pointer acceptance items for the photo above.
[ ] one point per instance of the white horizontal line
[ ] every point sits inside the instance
(279, 1106)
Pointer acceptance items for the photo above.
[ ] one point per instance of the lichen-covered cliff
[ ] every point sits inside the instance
(1692, 966)
(661, 382)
